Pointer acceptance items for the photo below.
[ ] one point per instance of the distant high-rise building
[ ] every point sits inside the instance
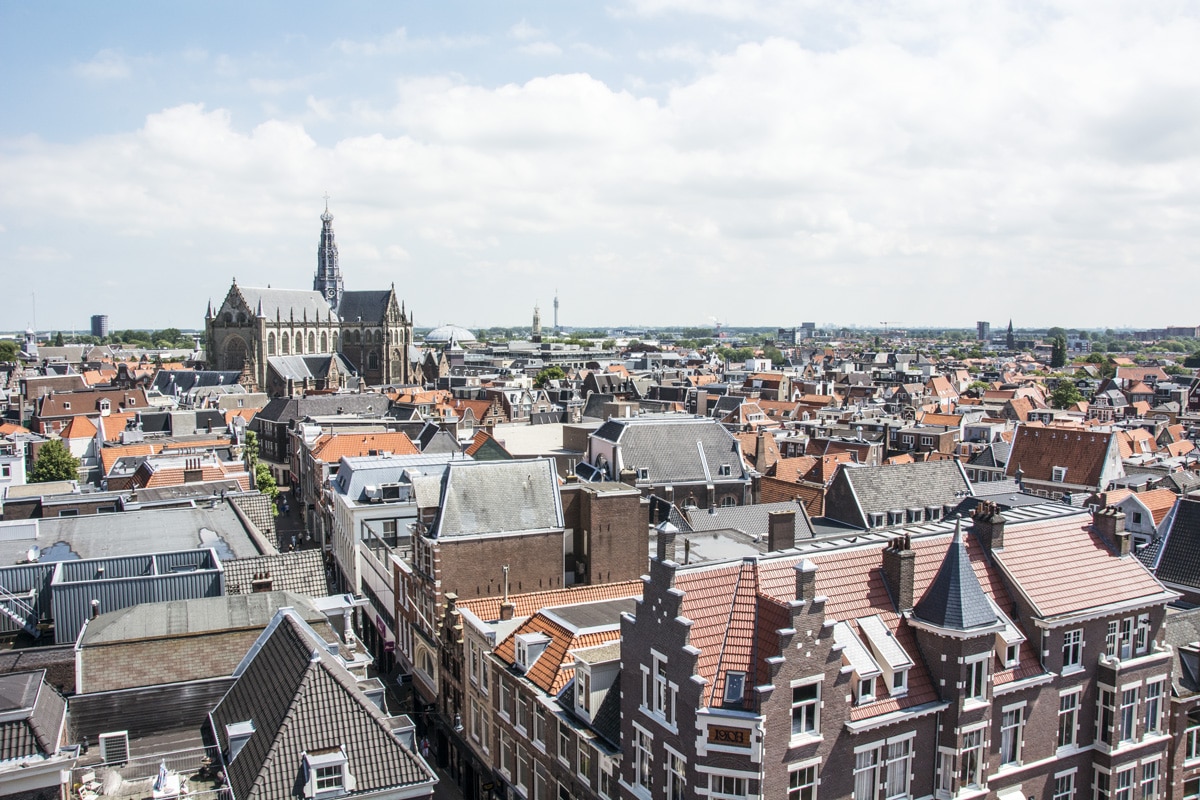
(536, 333)
(983, 331)
(556, 328)
(100, 325)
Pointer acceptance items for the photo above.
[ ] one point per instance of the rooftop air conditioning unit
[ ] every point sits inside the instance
(114, 747)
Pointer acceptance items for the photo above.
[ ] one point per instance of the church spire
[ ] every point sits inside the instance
(328, 280)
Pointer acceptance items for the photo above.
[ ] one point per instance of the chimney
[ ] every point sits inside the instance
(760, 452)
(806, 581)
(665, 539)
(899, 566)
(1110, 523)
(781, 530)
(506, 606)
(628, 476)
(988, 524)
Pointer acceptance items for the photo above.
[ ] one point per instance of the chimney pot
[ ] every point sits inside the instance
(899, 568)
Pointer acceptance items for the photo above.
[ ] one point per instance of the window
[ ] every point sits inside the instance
(521, 770)
(866, 690)
(564, 743)
(1128, 718)
(585, 764)
(727, 786)
(806, 707)
(1068, 718)
(1124, 785)
(1154, 706)
(977, 680)
(1137, 518)
(676, 777)
(330, 778)
(802, 783)
(1011, 729)
(664, 693)
(1125, 641)
(1072, 651)
(1064, 786)
(1150, 780)
(1142, 640)
(867, 775)
(735, 687)
(505, 700)
(505, 753)
(606, 783)
(1105, 718)
(583, 690)
(1191, 750)
(1058, 474)
(1191, 789)
(970, 767)
(539, 724)
(522, 720)
(899, 767)
(945, 772)
(641, 759)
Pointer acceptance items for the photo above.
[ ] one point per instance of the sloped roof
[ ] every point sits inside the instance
(901, 486)
(79, 428)
(297, 368)
(301, 572)
(332, 447)
(498, 497)
(524, 605)
(286, 303)
(1158, 502)
(675, 450)
(34, 716)
(370, 305)
(1179, 556)
(1038, 450)
(302, 700)
(955, 600)
(752, 520)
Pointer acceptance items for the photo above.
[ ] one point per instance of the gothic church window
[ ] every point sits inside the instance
(324, 342)
(270, 344)
(312, 343)
(285, 342)
(299, 344)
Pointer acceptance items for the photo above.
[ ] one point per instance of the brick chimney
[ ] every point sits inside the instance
(506, 606)
(988, 524)
(806, 581)
(665, 539)
(899, 566)
(1110, 523)
(781, 530)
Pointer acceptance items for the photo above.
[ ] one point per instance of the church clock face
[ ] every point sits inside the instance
(330, 292)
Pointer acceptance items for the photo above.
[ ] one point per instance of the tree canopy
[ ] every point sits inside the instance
(9, 350)
(1065, 394)
(552, 373)
(54, 463)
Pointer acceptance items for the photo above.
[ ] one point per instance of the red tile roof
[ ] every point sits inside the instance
(332, 447)
(1158, 502)
(524, 605)
(1037, 450)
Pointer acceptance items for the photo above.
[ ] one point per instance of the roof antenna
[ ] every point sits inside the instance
(505, 568)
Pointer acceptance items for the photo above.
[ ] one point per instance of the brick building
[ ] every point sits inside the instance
(942, 663)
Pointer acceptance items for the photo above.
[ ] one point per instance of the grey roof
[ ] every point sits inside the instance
(302, 572)
(190, 617)
(369, 305)
(994, 455)
(152, 530)
(901, 486)
(480, 497)
(181, 381)
(752, 520)
(1179, 553)
(302, 700)
(34, 716)
(1182, 632)
(287, 409)
(286, 303)
(676, 449)
(356, 473)
(954, 599)
(297, 368)
(607, 721)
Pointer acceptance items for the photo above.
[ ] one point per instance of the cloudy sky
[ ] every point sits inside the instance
(654, 161)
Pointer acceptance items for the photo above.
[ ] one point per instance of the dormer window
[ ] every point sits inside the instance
(725, 470)
(529, 647)
(899, 683)
(1058, 474)
(735, 687)
(643, 474)
(866, 691)
(66, 406)
(327, 773)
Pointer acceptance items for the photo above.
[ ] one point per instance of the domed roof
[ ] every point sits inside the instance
(447, 333)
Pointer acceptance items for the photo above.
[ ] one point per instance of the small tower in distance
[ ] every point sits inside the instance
(1010, 341)
(536, 335)
(557, 329)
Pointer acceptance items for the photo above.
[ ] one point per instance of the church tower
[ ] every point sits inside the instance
(536, 333)
(328, 280)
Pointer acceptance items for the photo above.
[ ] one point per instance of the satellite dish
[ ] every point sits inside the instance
(34, 554)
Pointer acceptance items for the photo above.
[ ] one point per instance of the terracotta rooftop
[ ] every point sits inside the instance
(529, 603)
(332, 447)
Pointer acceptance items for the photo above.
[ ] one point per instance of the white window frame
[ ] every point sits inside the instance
(1012, 734)
(675, 779)
(1153, 706)
(1064, 785)
(976, 684)
(1072, 650)
(1068, 708)
(806, 705)
(972, 741)
(643, 759)
(1151, 785)
(1127, 714)
(800, 779)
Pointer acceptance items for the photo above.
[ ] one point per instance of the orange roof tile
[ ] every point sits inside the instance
(1158, 502)
(79, 428)
(110, 455)
(524, 605)
(9, 428)
(1176, 449)
(332, 447)
(555, 666)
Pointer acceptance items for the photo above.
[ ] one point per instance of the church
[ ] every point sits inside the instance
(287, 341)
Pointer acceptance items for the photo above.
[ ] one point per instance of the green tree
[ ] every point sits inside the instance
(1065, 394)
(58, 339)
(54, 463)
(978, 388)
(1058, 352)
(8, 350)
(250, 449)
(265, 481)
(170, 336)
(774, 354)
(553, 373)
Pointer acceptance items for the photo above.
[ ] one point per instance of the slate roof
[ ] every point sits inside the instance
(481, 497)
(955, 600)
(34, 715)
(286, 409)
(297, 368)
(1182, 631)
(752, 520)
(301, 699)
(676, 450)
(902, 486)
(180, 381)
(355, 474)
(286, 303)
(301, 572)
(1178, 553)
(369, 305)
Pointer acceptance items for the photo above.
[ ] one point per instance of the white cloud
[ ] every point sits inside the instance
(540, 49)
(106, 65)
(923, 170)
(390, 43)
(523, 30)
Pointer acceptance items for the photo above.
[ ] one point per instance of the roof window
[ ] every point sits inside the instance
(327, 773)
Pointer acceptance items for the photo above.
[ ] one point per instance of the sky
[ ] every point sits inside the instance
(653, 162)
